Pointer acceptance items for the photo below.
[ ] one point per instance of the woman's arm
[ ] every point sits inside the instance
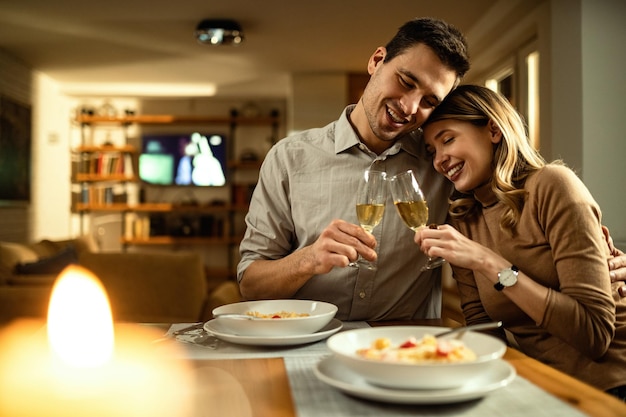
(579, 308)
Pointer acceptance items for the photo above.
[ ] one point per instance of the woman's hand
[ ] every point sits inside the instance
(451, 245)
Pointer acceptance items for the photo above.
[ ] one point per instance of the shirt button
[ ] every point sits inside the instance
(362, 294)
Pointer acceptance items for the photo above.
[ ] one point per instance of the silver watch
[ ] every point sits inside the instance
(506, 278)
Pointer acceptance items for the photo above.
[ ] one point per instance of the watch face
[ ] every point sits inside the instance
(508, 277)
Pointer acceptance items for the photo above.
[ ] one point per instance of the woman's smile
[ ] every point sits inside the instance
(451, 172)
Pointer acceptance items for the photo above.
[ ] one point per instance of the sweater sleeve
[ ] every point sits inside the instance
(581, 311)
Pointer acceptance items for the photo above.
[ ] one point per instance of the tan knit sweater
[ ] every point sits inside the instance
(559, 243)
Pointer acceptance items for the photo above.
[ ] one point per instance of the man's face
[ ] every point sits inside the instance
(403, 92)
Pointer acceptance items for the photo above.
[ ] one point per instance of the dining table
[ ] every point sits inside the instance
(245, 380)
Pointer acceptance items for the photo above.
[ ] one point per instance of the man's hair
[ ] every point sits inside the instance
(445, 40)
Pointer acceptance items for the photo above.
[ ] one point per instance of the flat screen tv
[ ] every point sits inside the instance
(195, 159)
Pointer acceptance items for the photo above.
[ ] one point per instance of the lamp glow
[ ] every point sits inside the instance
(80, 324)
(78, 368)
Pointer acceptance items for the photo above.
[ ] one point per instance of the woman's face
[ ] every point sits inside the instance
(462, 151)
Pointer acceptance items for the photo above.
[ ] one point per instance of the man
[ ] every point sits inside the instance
(295, 245)
(302, 229)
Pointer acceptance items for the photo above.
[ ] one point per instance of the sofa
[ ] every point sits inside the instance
(144, 287)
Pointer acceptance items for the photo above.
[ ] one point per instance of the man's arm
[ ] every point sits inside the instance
(339, 244)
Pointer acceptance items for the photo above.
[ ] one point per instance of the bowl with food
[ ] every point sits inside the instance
(411, 357)
(268, 318)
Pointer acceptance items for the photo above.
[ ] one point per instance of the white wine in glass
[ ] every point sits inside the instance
(369, 215)
(411, 206)
(370, 206)
(414, 214)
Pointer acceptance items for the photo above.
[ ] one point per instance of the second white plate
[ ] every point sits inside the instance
(216, 330)
(331, 371)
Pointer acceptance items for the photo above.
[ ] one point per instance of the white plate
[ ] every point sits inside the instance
(218, 331)
(331, 371)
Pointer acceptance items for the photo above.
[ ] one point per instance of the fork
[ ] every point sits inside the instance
(460, 331)
(184, 330)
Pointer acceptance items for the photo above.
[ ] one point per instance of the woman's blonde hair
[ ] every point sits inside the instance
(514, 157)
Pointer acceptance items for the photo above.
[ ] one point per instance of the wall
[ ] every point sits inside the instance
(51, 168)
(588, 86)
(317, 100)
(604, 92)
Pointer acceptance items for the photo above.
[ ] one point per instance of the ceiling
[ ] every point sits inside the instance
(118, 43)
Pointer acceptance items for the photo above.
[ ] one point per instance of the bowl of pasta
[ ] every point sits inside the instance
(270, 318)
(411, 357)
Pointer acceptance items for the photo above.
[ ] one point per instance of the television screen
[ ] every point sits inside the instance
(192, 159)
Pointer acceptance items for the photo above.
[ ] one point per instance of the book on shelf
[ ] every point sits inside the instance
(99, 194)
(128, 168)
(103, 164)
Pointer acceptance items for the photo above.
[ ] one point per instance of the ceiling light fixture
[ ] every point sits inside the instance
(219, 32)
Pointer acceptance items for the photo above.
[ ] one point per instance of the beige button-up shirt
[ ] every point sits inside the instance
(309, 179)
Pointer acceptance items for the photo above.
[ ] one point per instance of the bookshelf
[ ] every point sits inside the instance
(105, 180)
(100, 174)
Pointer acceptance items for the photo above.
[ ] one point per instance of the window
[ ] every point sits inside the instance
(518, 80)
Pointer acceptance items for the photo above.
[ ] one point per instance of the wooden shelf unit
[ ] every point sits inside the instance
(225, 213)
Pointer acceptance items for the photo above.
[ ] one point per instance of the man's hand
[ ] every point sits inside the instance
(339, 244)
(617, 264)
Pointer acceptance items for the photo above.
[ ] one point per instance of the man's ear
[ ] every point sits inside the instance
(376, 59)
(495, 132)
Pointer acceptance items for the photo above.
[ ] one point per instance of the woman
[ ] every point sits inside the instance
(525, 241)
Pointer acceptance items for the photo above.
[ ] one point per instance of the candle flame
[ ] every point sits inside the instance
(80, 324)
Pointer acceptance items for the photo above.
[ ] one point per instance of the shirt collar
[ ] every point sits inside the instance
(345, 136)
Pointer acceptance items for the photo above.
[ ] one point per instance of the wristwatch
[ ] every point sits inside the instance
(506, 278)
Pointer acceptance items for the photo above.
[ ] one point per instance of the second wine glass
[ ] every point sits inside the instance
(370, 206)
(412, 207)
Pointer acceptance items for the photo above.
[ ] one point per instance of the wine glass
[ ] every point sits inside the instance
(370, 206)
(411, 206)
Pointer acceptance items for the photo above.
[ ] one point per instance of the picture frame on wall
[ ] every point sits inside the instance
(15, 152)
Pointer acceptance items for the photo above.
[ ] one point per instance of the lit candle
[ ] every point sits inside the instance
(86, 366)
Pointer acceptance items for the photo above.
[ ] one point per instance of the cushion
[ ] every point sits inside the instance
(50, 265)
(46, 247)
(13, 253)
